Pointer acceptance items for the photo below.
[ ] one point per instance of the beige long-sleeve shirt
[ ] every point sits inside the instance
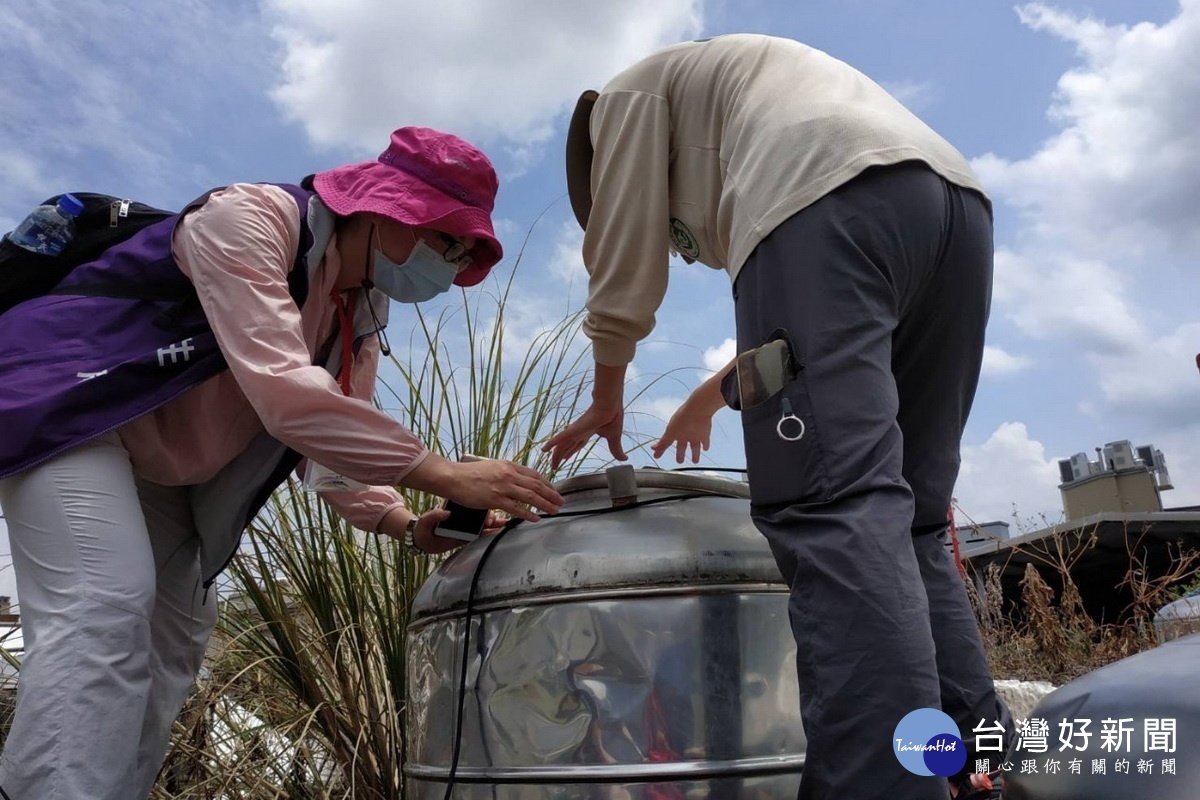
(705, 147)
(237, 249)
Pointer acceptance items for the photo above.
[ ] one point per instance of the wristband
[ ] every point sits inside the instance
(410, 542)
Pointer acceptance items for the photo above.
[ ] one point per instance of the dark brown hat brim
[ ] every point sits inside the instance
(579, 157)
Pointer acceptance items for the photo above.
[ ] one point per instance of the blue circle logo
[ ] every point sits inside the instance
(926, 743)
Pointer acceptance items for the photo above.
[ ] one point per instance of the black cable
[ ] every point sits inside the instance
(740, 470)
(493, 540)
(462, 678)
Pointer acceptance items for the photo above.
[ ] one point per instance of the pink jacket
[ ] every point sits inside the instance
(237, 249)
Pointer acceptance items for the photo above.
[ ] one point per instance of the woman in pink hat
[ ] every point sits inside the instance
(122, 512)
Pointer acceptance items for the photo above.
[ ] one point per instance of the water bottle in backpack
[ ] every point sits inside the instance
(48, 228)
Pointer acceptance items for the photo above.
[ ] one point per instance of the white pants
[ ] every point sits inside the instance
(115, 624)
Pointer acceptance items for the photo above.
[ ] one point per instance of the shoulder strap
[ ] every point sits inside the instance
(298, 278)
(184, 296)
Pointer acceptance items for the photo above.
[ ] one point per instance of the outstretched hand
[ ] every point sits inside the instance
(608, 423)
(691, 424)
(689, 427)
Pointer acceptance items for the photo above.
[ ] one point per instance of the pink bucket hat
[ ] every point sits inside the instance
(427, 179)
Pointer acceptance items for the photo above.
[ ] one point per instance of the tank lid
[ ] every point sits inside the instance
(646, 478)
(680, 529)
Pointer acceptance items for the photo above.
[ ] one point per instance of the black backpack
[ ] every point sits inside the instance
(105, 221)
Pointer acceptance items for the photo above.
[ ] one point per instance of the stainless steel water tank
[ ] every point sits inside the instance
(642, 653)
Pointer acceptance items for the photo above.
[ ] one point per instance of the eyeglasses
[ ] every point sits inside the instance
(456, 252)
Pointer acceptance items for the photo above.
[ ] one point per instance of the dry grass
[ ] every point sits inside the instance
(1049, 635)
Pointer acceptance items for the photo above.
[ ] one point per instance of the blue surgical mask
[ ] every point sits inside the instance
(423, 275)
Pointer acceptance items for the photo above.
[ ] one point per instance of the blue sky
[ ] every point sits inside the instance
(1080, 117)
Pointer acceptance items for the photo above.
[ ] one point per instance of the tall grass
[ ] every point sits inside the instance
(481, 404)
(305, 696)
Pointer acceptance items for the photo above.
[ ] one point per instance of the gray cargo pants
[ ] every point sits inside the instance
(883, 287)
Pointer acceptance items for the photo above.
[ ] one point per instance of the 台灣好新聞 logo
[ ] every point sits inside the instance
(926, 742)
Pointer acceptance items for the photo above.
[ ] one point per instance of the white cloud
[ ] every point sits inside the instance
(506, 229)
(633, 376)
(719, 356)
(492, 72)
(654, 412)
(1181, 448)
(1121, 173)
(1049, 295)
(1007, 475)
(1101, 267)
(566, 262)
(1156, 381)
(915, 95)
(999, 363)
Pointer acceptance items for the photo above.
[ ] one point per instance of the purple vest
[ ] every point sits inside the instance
(117, 338)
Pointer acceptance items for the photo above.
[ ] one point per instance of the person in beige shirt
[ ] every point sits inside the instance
(859, 248)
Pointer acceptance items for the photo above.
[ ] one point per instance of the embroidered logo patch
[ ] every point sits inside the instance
(683, 240)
